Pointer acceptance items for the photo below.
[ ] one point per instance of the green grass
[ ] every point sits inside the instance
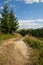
(5, 36)
(37, 46)
(8, 36)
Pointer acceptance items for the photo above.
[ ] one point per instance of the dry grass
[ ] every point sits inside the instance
(37, 46)
(8, 36)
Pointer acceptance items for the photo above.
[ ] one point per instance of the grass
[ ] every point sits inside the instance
(8, 36)
(5, 36)
(37, 46)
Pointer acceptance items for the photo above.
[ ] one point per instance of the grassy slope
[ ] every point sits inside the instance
(8, 36)
(37, 46)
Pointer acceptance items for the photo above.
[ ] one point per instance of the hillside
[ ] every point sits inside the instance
(37, 46)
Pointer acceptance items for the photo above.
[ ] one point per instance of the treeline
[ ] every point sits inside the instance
(32, 32)
(8, 21)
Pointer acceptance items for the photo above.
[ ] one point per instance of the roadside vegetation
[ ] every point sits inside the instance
(5, 36)
(33, 32)
(37, 46)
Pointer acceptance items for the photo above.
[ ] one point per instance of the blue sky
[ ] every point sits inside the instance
(28, 12)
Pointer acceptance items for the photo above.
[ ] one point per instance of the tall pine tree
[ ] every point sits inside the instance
(13, 22)
(5, 19)
(9, 22)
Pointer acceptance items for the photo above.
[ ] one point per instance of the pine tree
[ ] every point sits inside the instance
(9, 22)
(5, 19)
(13, 24)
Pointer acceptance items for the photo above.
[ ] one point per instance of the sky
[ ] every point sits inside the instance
(28, 12)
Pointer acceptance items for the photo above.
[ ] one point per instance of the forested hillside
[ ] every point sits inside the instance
(32, 32)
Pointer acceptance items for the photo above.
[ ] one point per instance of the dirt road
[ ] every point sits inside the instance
(14, 52)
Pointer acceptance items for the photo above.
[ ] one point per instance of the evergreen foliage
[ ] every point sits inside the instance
(9, 22)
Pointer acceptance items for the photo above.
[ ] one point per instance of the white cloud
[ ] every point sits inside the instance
(30, 26)
(7, 1)
(1, 7)
(32, 1)
(26, 1)
(31, 23)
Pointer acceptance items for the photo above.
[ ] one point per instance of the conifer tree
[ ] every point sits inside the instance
(9, 22)
(5, 19)
(13, 24)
